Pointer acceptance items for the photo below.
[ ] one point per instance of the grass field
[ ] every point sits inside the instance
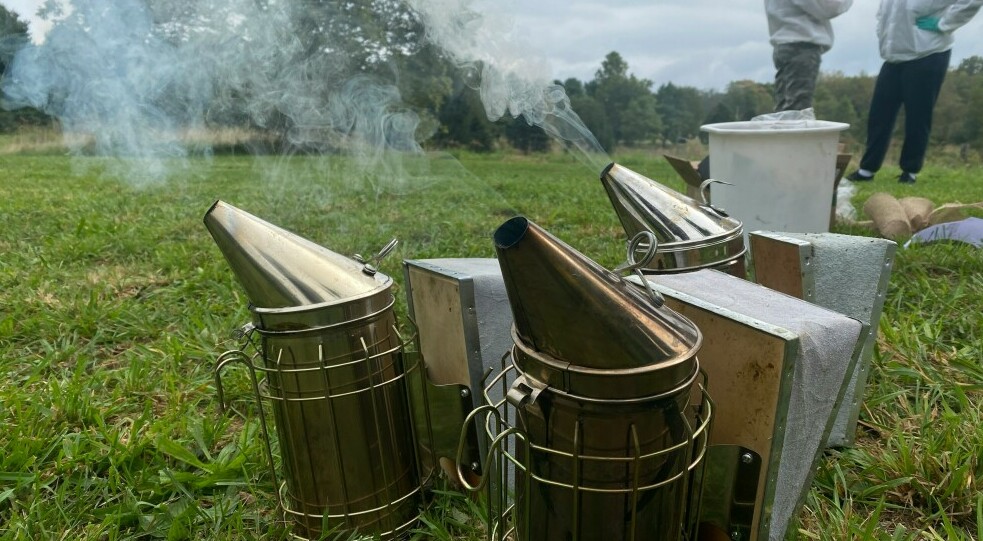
(114, 303)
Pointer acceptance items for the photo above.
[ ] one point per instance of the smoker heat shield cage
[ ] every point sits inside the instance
(602, 431)
(691, 234)
(324, 356)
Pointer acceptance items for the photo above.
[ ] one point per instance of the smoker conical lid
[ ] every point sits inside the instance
(567, 306)
(280, 269)
(679, 222)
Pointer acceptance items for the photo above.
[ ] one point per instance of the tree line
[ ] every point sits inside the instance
(384, 39)
(13, 36)
(621, 109)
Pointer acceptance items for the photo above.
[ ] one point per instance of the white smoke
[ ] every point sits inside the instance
(103, 72)
(480, 35)
(132, 76)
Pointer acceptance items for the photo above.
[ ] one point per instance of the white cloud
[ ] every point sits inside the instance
(701, 43)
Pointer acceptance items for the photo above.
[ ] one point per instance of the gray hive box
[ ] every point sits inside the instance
(463, 319)
(845, 273)
(777, 368)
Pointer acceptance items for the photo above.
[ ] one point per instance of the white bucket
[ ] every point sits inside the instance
(781, 170)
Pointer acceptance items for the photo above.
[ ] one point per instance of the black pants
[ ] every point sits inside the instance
(914, 84)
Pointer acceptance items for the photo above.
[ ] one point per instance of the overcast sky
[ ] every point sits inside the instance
(701, 43)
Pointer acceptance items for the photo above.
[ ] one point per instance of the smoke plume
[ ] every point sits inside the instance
(131, 79)
(481, 36)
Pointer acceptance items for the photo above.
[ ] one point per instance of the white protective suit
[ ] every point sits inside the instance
(803, 21)
(901, 40)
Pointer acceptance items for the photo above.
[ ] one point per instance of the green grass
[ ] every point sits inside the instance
(114, 303)
(916, 470)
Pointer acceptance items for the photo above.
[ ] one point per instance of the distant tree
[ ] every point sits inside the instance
(972, 65)
(720, 113)
(640, 121)
(573, 86)
(425, 80)
(834, 91)
(959, 109)
(526, 137)
(831, 105)
(748, 99)
(973, 120)
(463, 123)
(948, 125)
(612, 67)
(594, 117)
(383, 38)
(321, 45)
(841, 110)
(615, 89)
(13, 36)
(366, 34)
(681, 111)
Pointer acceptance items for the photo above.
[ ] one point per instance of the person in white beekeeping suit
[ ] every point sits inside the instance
(916, 43)
(801, 32)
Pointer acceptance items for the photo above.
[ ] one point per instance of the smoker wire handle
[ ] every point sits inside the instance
(705, 195)
(646, 243)
(239, 356)
(643, 242)
(493, 446)
(371, 264)
(245, 332)
(229, 357)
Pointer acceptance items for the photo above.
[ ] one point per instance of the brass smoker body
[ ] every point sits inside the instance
(332, 371)
(609, 445)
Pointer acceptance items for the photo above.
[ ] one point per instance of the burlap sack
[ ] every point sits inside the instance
(918, 210)
(888, 215)
(951, 212)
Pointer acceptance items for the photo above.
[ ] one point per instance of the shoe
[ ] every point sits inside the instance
(906, 178)
(857, 177)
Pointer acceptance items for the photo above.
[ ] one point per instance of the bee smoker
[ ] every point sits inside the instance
(604, 424)
(692, 235)
(324, 355)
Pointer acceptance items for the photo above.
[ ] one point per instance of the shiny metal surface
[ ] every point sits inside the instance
(278, 268)
(461, 312)
(567, 306)
(561, 469)
(640, 383)
(598, 421)
(341, 415)
(594, 464)
(332, 371)
(691, 234)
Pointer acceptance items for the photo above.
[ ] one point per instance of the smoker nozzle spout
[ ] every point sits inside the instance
(572, 309)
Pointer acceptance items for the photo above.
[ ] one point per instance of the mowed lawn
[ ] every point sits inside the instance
(115, 302)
